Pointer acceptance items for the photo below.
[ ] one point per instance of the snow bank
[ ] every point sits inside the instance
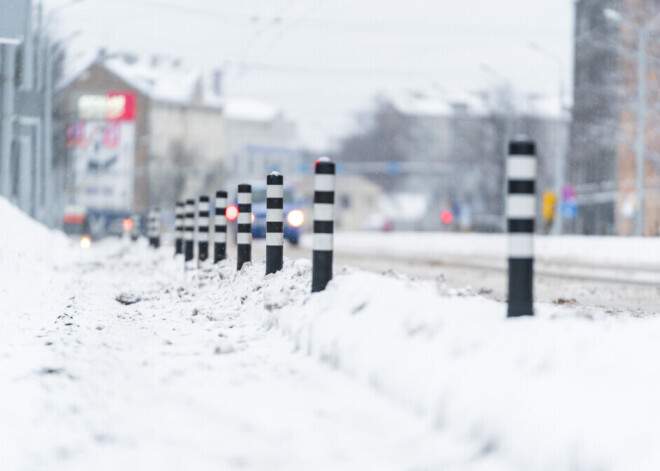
(569, 389)
(29, 256)
(32, 295)
(491, 248)
(572, 388)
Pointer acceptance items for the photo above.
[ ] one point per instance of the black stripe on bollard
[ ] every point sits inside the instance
(220, 222)
(244, 226)
(203, 209)
(178, 227)
(274, 222)
(189, 230)
(324, 208)
(521, 212)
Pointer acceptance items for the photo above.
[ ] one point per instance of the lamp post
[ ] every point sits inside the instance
(640, 147)
(560, 154)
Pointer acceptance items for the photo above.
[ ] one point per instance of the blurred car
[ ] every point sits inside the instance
(294, 217)
(76, 225)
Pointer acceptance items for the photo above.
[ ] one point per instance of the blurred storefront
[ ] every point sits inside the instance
(137, 134)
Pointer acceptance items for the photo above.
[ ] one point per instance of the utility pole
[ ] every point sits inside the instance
(641, 125)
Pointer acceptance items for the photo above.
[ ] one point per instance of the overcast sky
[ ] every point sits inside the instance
(321, 61)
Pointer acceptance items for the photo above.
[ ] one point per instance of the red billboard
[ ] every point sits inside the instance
(113, 106)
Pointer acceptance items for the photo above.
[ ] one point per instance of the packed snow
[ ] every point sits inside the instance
(118, 358)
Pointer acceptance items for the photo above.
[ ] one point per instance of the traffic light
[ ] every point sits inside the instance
(549, 206)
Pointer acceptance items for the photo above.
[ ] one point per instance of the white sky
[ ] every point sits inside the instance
(321, 61)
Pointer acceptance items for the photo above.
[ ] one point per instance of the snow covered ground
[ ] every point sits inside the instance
(218, 369)
(491, 248)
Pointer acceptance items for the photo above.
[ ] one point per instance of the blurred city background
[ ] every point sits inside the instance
(116, 106)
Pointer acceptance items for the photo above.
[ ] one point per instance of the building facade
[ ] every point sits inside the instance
(605, 141)
(136, 136)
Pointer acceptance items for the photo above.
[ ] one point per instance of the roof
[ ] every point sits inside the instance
(167, 81)
(249, 109)
(420, 105)
(474, 104)
(164, 83)
(161, 79)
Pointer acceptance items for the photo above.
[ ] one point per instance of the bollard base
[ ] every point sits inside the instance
(188, 251)
(519, 310)
(274, 258)
(521, 287)
(219, 252)
(203, 248)
(321, 269)
(244, 255)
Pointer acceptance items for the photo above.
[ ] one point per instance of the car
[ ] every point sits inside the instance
(294, 217)
(76, 226)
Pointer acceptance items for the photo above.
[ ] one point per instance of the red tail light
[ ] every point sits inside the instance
(231, 212)
(74, 218)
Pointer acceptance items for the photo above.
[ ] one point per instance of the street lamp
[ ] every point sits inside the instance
(642, 37)
(559, 149)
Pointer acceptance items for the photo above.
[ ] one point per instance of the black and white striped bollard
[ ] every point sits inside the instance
(203, 209)
(189, 230)
(220, 222)
(324, 208)
(179, 213)
(153, 228)
(244, 229)
(274, 222)
(135, 230)
(521, 212)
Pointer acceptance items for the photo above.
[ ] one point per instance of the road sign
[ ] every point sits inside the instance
(568, 192)
(569, 209)
(393, 168)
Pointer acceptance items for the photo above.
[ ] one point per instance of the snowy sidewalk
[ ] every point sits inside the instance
(186, 378)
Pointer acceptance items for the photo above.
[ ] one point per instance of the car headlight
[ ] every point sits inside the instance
(295, 218)
(85, 242)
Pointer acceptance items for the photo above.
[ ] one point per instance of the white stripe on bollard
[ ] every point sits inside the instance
(324, 212)
(521, 206)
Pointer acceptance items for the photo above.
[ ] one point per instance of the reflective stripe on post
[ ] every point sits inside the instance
(324, 202)
(521, 212)
(178, 227)
(189, 230)
(203, 209)
(244, 226)
(220, 222)
(274, 222)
